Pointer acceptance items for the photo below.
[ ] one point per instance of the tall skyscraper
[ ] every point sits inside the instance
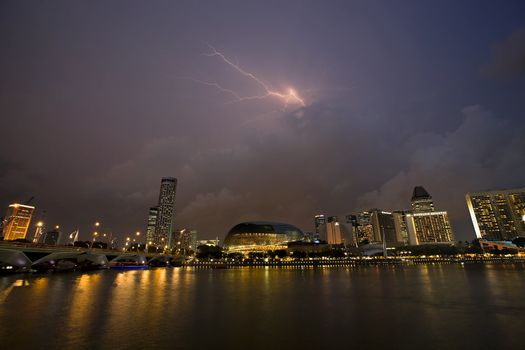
(498, 215)
(152, 223)
(319, 221)
(401, 226)
(424, 224)
(185, 240)
(333, 231)
(17, 220)
(166, 211)
(383, 226)
(39, 231)
(363, 230)
(421, 200)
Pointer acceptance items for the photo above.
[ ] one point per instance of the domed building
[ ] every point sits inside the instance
(261, 236)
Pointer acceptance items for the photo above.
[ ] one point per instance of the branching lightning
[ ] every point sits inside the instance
(290, 97)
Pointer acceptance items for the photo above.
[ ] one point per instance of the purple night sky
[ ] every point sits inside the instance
(100, 99)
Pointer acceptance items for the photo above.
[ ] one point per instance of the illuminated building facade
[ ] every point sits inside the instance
(261, 236)
(17, 220)
(162, 215)
(333, 231)
(429, 227)
(424, 225)
(152, 223)
(498, 215)
(363, 229)
(209, 242)
(40, 227)
(185, 240)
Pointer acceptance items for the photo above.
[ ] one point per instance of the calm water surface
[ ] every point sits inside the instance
(411, 307)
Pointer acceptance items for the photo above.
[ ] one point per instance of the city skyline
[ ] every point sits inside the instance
(333, 108)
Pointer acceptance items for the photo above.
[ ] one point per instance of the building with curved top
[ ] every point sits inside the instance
(261, 236)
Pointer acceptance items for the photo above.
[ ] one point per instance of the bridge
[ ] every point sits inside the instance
(37, 251)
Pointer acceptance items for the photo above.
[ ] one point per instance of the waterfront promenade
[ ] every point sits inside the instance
(37, 251)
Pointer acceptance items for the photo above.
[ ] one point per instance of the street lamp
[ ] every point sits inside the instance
(95, 234)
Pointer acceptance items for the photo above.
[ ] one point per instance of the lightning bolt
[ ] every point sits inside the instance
(218, 87)
(290, 97)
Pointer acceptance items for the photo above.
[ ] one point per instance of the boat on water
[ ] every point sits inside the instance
(71, 261)
(13, 261)
(165, 261)
(129, 262)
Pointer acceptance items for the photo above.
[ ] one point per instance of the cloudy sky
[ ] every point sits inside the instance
(100, 99)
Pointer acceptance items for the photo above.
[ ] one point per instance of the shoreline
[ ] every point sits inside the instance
(357, 262)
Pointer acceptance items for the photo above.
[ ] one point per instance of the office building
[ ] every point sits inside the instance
(185, 240)
(161, 217)
(349, 229)
(333, 231)
(17, 220)
(428, 228)
(383, 226)
(400, 225)
(152, 223)
(424, 224)
(319, 221)
(421, 200)
(363, 231)
(498, 215)
(39, 230)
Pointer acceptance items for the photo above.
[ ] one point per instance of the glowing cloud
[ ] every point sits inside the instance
(290, 97)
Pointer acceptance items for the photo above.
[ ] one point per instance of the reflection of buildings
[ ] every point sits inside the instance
(17, 220)
(498, 215)
(160, 218)
(424, 224)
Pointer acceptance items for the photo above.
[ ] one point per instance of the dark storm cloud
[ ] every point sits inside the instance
(22, 181)
(95, 112)
(483, 153)
(320, 159)
(508, 57)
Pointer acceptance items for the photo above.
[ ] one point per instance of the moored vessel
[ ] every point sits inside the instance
(129, 262)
